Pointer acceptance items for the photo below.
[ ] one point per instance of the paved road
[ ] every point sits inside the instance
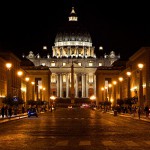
(75, 129)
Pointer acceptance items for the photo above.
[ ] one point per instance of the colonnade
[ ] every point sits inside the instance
(81, 85)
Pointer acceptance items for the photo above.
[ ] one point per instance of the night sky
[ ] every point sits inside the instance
(123, 27)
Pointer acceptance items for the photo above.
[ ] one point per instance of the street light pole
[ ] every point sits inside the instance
(140, 101)
(128, 90)
(19, 73)
(120, 79)
(109, 91)
(114, 83)
(102, 89)
(8, 66)
(33, 83)
(27, 88)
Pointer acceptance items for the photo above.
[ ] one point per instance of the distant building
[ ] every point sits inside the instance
(73, 45)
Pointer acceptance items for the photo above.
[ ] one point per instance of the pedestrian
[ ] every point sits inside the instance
(10, 111)
(139, 112)
(147, 111)
(23, 109)
(3, 111)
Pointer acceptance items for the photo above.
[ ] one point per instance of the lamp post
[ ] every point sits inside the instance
(52, 102)
(120, 79)
(40, 92)
(114, 83)
(33, 83)
(92, 98)
(19, 73)
(109, 91)
(128, 90)
(8, 66)
(106, 93)
(44, 93)
(102, 89)
(140, 101)
(27, 88)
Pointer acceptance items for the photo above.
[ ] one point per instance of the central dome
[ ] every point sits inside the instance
(73, 33)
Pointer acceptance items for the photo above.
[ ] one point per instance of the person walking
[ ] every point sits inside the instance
(10, 111)
(147, 111)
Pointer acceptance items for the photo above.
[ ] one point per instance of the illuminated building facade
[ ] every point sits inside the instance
(73, 45)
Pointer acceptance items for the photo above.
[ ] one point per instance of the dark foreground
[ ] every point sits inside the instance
(75, 129)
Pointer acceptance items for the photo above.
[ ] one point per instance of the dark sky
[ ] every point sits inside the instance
(123, 27)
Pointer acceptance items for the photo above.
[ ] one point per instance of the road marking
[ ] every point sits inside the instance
(131, 143)
(108, 143)
(84, 143)
(62, 143)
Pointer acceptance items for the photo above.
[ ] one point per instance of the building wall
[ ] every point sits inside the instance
(3, 80)
(105, 77)
(40, 78)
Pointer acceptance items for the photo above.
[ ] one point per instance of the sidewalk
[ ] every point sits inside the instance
(142, 116)
(13, 117)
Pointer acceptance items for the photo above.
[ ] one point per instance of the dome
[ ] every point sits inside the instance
(73, 33)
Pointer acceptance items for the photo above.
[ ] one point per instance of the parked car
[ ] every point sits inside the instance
(32, 112)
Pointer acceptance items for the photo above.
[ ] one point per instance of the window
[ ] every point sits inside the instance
(79, 64)
(64, 78)
(100, 64)
(90, 78)
(53, 64)
(90, 64)
(43, 64)
(53, 78)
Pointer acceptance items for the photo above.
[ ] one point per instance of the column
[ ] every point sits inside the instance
(83, 85)
(58, 92)
(94, 84)
(76, 90)
(60, 85)
(87, 85)
(67, 85)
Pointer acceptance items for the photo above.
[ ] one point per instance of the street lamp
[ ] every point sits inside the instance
(109, 91)
(8, 66)
(120, 79)
(128, 90)
(140, 101)
(114, 83)
(27, 87)
(44, 93)
(20, 73)
(102, 89)
(52, 98)
(33, 83)
(92, 98)
(106, 93)
(41, 92)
